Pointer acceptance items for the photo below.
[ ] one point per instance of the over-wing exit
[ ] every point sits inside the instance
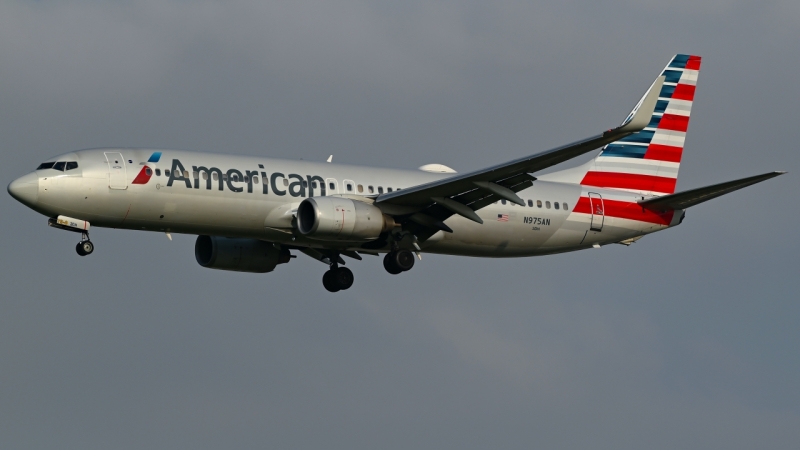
(251, 214)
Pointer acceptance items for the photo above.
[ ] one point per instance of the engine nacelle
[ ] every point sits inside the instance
(239, 255)
(341, 219)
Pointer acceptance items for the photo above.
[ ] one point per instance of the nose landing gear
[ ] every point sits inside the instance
(85, 246)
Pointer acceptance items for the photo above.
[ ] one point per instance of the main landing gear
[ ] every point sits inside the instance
(337, 278)
(85, 246)
(398, 261)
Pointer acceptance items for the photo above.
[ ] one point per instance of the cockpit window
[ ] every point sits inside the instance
(59, 165)
(72, 165)
(47, 165)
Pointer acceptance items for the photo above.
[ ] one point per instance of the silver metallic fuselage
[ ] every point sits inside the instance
(189, 206)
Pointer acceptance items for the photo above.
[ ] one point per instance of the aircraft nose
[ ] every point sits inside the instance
(25, 189)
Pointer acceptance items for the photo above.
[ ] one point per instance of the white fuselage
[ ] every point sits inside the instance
(256, 197)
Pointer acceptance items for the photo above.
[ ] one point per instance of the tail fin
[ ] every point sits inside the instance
(647, 162)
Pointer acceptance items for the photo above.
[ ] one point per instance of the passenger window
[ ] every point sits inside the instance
(388, 189)
(285, 182)
(59, 165)
(255, 180)
(186, 174)
(72, 165)
(166, 172)
(547, 205)
(349, 187)
(246, 179)
(224, 177)
(47, 165)
(371, 189)
(196, 175)
(214, 176)
(564, 205)
(538, 203)
(313, 184)
(555, 204)
(331, 186)
(205, 175)
(503, 202)
(158, 172)
(380, 189)
(360, 188)
(305, 183)
(148, 171)
(530, 203)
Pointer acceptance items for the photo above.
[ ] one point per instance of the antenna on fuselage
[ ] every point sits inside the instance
(330, 158)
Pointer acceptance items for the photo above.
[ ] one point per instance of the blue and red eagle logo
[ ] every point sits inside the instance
(144, 175)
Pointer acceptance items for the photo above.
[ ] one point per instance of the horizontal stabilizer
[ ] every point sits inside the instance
(686, 199)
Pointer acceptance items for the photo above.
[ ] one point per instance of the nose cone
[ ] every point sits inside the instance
(25, 189)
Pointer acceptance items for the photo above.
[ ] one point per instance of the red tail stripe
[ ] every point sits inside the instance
(693, 63)
(629, 181)
(625, 210)
(664, 153)
(684, 92)
(674, 122)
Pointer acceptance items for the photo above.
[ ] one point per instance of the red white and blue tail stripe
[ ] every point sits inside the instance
(647, 162)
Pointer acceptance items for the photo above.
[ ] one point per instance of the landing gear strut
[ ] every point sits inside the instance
(85, 246)
(337, 278)
(398, 261)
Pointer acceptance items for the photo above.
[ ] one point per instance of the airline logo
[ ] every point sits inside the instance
(144, 175)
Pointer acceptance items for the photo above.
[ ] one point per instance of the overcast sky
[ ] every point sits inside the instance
(687, 339)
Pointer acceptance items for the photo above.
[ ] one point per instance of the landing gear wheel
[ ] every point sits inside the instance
(389, 265)
(329, 284)
(84, 248)
(338, 279)
(343, 278)
(404, 260)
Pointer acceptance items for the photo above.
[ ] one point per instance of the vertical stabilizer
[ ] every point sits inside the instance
(647, 162)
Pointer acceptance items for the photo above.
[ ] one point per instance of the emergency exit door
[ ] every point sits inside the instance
(117, 173)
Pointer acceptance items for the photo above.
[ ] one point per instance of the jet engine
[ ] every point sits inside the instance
(341, 219)
(238, 255)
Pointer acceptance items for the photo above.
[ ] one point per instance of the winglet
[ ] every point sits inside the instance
(643, 112)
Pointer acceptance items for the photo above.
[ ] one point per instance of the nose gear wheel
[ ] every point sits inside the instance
(85, 246)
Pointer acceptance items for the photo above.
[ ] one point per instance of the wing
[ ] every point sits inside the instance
(683, 200)
(427, 205)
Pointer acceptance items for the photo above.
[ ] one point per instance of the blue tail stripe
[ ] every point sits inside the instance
(672, 76)
(625, 151)
(679, 61)
(661, 106)
(154, 157)
(643, 137)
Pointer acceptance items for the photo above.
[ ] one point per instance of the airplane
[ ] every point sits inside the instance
(251, 213)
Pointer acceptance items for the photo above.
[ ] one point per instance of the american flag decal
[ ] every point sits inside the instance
(502, 217)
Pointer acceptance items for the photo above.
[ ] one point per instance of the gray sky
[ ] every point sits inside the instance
(687, 339)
